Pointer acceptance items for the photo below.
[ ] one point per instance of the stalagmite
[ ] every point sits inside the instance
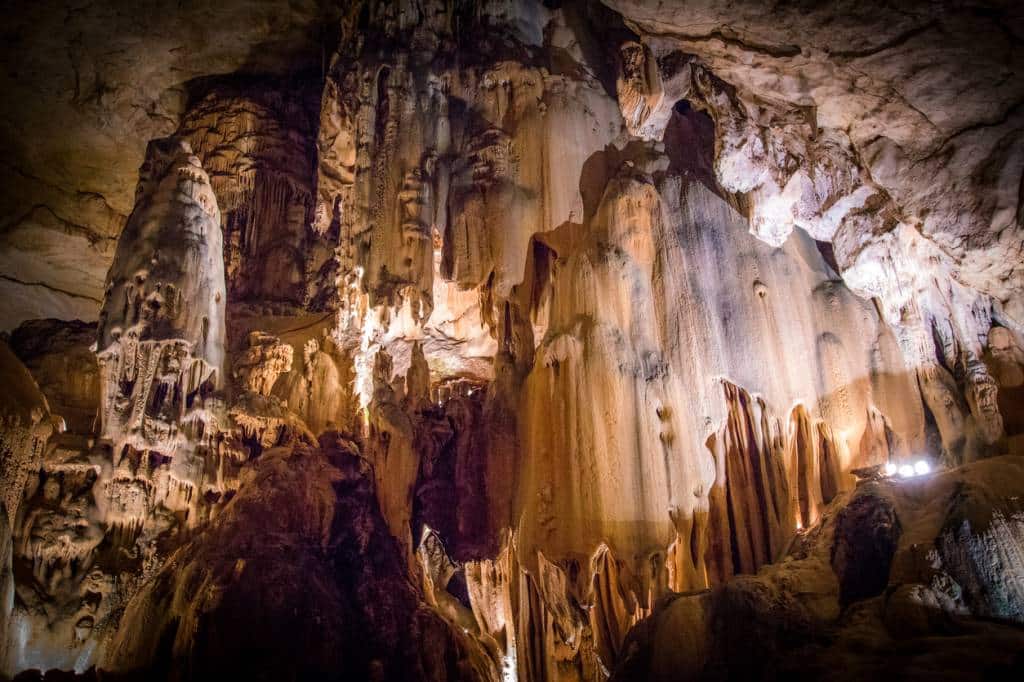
(391, 451)
(161, 333)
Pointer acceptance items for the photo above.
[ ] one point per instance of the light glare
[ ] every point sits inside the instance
(891, 469)
(921, 467)
(906, 471)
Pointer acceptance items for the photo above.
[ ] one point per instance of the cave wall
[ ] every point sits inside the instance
(605, 310)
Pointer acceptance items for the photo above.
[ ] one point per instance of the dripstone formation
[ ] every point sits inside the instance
(541, 341)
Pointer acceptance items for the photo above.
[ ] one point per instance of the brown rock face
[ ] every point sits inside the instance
(59, 357)
(546, 341)
(304, 537)
(866, 535)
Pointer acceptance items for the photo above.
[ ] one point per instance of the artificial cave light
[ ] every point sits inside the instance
(918, 468)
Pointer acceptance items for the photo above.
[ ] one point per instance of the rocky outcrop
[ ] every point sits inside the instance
(865, 587)
(845, 125)
(303, 550)
(266, 359)
(866, 535)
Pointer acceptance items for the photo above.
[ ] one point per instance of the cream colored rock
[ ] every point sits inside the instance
(641, 93)
(161, 329)
(869, 148)
(891, 84)
(262, 363)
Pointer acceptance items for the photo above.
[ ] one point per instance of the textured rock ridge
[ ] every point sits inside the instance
(871, 585)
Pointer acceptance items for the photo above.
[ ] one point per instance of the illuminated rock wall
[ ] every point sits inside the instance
(489, 332)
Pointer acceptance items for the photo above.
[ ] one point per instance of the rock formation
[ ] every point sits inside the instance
(161, 329)
(332, 564)
(26, 428)
(872, 587)
(512, 340)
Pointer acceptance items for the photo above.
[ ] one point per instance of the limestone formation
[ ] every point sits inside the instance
(256, 145)
(161, 330)
(94, 85)
(264, 361)
(512, 340)
(26, 426)
(332, 556)
(875, 577)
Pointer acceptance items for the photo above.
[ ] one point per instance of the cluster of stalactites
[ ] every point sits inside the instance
(155, 395)
(772, 478)
(770, 482)
(558, 620)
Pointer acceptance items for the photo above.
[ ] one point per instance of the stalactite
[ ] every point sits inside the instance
(391, 451)
(612, 612)
(803, 466)
(756, 520)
